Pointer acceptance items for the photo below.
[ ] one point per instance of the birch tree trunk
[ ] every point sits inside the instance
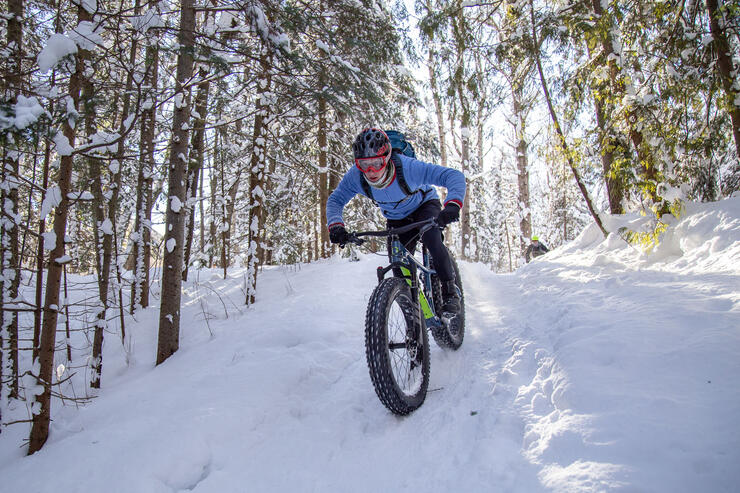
(42, 405)
(169, 313)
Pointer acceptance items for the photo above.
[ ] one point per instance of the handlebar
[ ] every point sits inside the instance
(423, 226)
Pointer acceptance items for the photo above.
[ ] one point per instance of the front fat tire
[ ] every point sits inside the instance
(400, 396)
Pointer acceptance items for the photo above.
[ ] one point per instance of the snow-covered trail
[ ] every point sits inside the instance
(285, 402)
(591, 369)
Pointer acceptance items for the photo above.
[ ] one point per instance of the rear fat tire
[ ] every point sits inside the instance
(449, 336)
(397, 394)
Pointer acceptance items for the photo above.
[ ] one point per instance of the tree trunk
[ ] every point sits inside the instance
(102, 240)
(441, 132)
(10, 274)
(42, 415)
(169, 313)
(229, 205)
(728, 74)
(556, 124)
(257, 171)
(508, 244)
(323, 178)
(213, 180)
(196, 159)
(225, 220)
(615, 186)
(465, 128)
(617, 91)
(475, 184)
(525, 218)
(202, 209)
(266, 249)
(106, 226)
(40, 259)
(144, 200)
(465, 212)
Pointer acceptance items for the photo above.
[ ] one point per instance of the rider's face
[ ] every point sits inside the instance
(375, 175)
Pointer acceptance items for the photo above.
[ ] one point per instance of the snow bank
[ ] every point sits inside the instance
(705, 237)
(631, 358)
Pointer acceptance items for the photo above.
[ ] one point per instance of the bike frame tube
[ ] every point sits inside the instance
(425, 308)
(399, 255)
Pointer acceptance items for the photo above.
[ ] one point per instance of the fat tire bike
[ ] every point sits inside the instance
(401, 311)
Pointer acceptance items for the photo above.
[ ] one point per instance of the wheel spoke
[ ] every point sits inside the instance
(407, 375)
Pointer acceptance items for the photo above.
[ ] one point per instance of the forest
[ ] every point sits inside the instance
(144, 140)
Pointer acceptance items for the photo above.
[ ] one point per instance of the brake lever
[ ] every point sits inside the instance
(352, 239)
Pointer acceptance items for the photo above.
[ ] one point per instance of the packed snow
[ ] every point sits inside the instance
(596, 367)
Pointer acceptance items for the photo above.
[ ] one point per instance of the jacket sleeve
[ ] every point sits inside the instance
(419, 173)
(345, 191)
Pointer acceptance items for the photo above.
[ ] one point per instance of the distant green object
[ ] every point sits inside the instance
(535, 238)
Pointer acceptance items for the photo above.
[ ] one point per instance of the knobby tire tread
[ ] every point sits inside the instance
(376, 344)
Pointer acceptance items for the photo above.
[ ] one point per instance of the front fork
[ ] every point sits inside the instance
(410, 272)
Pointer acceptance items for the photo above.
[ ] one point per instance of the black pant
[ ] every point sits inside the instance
(432, 239)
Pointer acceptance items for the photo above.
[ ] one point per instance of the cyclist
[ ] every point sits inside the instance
(535, 249)
(379, 167)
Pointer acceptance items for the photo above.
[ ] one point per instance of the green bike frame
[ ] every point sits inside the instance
(425, 308)
(398, 255)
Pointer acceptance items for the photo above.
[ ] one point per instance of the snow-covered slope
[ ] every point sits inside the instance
(594, 368)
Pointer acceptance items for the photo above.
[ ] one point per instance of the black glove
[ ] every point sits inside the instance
(337, 234)
(449, 214)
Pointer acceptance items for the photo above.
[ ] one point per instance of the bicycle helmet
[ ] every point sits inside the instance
(371, 142)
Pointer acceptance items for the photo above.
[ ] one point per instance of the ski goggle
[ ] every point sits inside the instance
(373, 164)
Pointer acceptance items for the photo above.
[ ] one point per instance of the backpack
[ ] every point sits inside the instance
(399, 145)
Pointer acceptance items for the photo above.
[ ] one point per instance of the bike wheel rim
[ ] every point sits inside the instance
(409, 380)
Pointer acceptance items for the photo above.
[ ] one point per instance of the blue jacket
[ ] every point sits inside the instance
(392, 200)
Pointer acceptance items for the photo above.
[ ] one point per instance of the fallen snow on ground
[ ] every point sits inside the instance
(594, 368)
